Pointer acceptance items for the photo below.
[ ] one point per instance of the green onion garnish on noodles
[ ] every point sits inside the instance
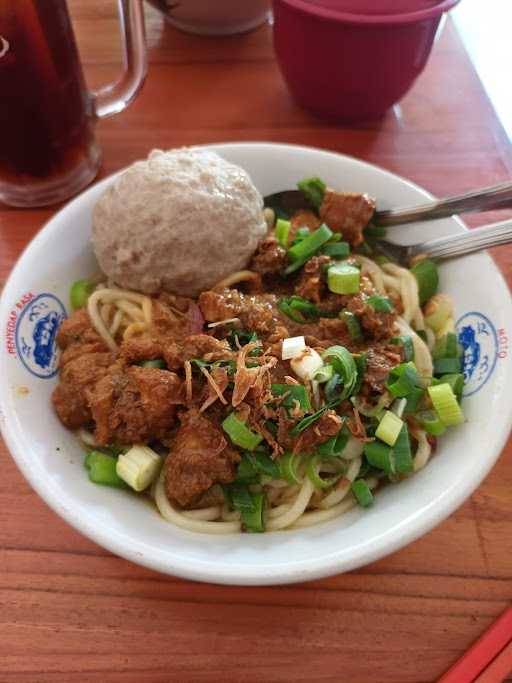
(431, 422)
(345, 366)
(455, 380)
(353, 325)
(300, 235)
(313, 190)
(157, 363)
(406, 342)
(301, 252)
(333, 447)
(313, 466)
(380, 456)
(389, 428)
(301, 310)
(446, 405)
(360, 361)
(380, 304)
(343, 278)
(402, 452)
(79, 293)
(102, 470)
(324, 374)
(282, 231)
(310, 419)
(262, 462)
(240, 434)
(336, 250)
(444, 366)
(402, 380)
(246, 473)
(253, 519)
(295, 392)
(413, 400)
(427, 277)
(362, 492)
(447, 347)
(288, 466)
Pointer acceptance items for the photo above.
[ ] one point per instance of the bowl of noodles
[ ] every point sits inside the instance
(308, 414)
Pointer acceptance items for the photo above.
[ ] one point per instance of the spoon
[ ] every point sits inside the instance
(493, 197)
(447, 247)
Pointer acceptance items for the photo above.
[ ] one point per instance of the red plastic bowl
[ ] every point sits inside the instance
(353, 66)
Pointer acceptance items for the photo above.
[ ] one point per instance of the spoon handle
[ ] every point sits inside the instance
(494, 197)
(465, 243)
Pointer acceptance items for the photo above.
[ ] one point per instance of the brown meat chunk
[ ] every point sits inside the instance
(303, 219)
(348, 213)
(77, 336)
(134, 405)
(379, 363)
(312, 283)
(141, 348)
(270, 258)
(329, 424)
(77, 377)
(375, 325)
(196, 346)
(256, 311)
(199, 458)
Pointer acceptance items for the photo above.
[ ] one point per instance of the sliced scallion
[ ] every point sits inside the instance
(444, 366)
(402, 452)
(295, 392)
(402, 379)
(343, 278)
(456, 381)
(157, 363)
(406, 342)
(431, 422)
(362, 492)
(300, 253)
(282, 231)
(427, 277)
(102, 470)
(313, 467)
(288, 466)
(336, 250)
(324, 374)
(380, 456)
(446, 405)
(389, 428)
(380, 304)
(80, 292)
(353, 325)
(313, 190)
(333, 447)
(240, 434)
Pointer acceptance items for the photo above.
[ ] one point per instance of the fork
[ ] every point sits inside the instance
(447, 247)
(484, 199)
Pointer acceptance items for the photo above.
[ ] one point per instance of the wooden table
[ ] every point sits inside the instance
(70, 611)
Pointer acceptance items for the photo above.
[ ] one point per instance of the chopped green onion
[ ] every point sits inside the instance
(456, 381)
(300, 253)
(406, 342)
(239, 497)
(413, 400)
(243, 337)
(263, 463)
(336, 250)
(444, 366)
(380, 456)
(296, 392)
(300, 235)
(102, 470)
(375, 232)
(288, 464)
(324, 374)
(285, 308)
(313, 190)
(427, 277)
(446, 405)
(353, 325)
(246, 472)
(362, 492)
(402, 452)
(157, 363)
(139, 467)
(80, 292)
(447, 347)
(282, 231)
(310, 419)
(360, 361)
(313, 466)
(239, 434)
(380, 304)
(333, 447)
(301, 310)
(389, 428)
(253, 519)
(431, 422)
(343, 279)
(344, 365)
(403, 379)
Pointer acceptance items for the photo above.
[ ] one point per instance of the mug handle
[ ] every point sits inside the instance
(113, 98)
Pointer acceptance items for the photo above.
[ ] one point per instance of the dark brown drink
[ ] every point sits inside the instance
(46, 116)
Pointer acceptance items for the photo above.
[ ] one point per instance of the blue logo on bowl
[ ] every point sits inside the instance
(479, 340)
(36, 332)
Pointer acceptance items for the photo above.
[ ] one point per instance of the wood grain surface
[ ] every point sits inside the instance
(70, 611)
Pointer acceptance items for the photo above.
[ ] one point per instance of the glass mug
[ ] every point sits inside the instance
(47, 147)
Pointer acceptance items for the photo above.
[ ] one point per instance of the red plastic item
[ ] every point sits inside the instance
(491, 651)
(346, 65)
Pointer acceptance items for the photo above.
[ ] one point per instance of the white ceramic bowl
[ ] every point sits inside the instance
(51, 460)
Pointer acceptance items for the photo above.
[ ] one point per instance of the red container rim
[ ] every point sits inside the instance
(390, 19)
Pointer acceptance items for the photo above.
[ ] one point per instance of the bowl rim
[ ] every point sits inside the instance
(371, 19)
(141, 553)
